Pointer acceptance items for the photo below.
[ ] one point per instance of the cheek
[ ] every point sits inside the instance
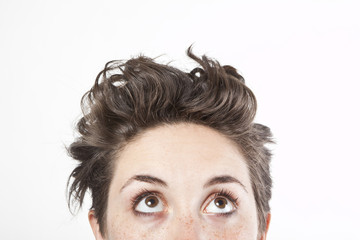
(128, 228)
(120, 228)
(242, 229)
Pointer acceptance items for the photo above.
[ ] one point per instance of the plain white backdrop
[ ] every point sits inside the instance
(301, 59)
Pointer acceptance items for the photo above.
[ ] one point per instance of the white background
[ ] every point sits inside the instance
(301, 58)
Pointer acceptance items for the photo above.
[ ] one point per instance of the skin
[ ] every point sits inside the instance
(185, 157)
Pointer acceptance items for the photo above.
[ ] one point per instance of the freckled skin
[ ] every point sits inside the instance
(185, 156)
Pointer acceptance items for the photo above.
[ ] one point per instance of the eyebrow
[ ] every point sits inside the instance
(145, 178)
(223, 179)
(157, 181)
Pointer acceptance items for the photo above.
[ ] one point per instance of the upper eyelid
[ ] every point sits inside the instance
(139, 196)
(229, 195)
(216, 194)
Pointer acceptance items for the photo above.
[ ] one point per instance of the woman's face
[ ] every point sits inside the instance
(183, 181)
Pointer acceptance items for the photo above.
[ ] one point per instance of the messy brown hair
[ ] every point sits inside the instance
(133, 96)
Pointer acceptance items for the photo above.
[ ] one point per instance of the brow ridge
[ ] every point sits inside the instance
(211, 182)
(223, 179)
(145, 178)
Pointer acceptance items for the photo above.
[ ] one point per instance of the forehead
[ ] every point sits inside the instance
(182, 149)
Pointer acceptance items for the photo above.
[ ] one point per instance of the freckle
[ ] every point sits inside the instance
(190, 222)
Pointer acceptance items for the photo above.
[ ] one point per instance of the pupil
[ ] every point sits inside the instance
(151, 201)
(221, 203)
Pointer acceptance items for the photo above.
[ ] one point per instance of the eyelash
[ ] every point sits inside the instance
(143, 193)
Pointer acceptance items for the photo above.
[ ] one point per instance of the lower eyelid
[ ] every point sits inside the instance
(146, 214)
(150, 216)
(228, 214)
(223, 214)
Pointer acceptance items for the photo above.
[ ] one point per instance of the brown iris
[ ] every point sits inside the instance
(151, 201)
(221, 202)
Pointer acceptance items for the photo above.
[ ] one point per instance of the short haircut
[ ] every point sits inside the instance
(130, 97)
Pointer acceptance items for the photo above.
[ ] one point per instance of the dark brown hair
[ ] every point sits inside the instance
(133, 96)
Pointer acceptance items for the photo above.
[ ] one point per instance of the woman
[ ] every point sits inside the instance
(172, 155)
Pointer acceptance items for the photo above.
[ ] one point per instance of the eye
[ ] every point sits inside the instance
(149, 204)
(221, 203)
